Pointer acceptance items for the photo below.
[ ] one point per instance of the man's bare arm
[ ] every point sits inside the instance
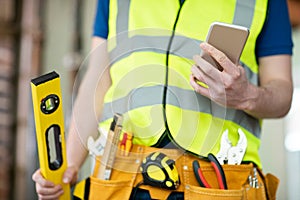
(273, 98)
(88, 104)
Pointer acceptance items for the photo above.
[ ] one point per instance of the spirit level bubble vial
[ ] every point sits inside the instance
(49, 125)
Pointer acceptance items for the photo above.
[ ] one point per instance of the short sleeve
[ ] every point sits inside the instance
(276, 35)
(101, 19)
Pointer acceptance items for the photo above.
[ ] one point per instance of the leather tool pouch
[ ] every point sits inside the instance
(118, 187)
(125, 177)
(237, 182)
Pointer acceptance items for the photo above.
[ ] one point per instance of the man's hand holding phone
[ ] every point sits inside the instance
(217, 73)
(229, 87)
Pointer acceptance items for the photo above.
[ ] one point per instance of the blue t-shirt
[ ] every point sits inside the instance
(275, 37)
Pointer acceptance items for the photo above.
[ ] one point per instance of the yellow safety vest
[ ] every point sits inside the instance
(151, 45)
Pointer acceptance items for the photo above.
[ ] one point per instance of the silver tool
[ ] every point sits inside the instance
(232, 155)
(253, 180)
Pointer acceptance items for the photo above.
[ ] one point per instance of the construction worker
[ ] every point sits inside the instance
(152, 73)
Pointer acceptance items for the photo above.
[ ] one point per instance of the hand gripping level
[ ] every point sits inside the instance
(49, 125)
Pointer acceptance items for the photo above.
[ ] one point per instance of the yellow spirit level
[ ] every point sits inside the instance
(49, 124)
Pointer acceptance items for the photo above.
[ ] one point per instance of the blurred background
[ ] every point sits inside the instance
(39, 36)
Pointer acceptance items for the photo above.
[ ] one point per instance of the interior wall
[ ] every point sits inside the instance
(292, 131)
(276, 157)
(9, 49)
(59, 48)
(59, 26)
(273, 153)
(28, 67)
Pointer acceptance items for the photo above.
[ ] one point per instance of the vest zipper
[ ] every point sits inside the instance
(167, 131)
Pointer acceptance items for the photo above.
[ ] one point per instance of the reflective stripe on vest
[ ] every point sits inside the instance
(138, 47)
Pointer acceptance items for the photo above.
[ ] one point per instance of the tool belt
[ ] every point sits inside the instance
(126, 176)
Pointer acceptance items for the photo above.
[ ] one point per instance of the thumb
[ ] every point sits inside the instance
(70, 175)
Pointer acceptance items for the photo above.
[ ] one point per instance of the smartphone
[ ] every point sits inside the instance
(228, 38)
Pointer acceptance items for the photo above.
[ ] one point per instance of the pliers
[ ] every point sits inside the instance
(229, 154)
(218, 170)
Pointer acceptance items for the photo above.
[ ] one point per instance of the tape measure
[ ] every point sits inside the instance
(160, 171)
(49, 125)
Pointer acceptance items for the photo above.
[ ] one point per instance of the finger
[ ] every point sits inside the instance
(50, 195)
(199, 88)
(207, 81)
(55, 191)
(206, 67)
(40, 180)
(44, 188)
(70, 175)
(200, 77)
(197, 72)
(219, 56)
